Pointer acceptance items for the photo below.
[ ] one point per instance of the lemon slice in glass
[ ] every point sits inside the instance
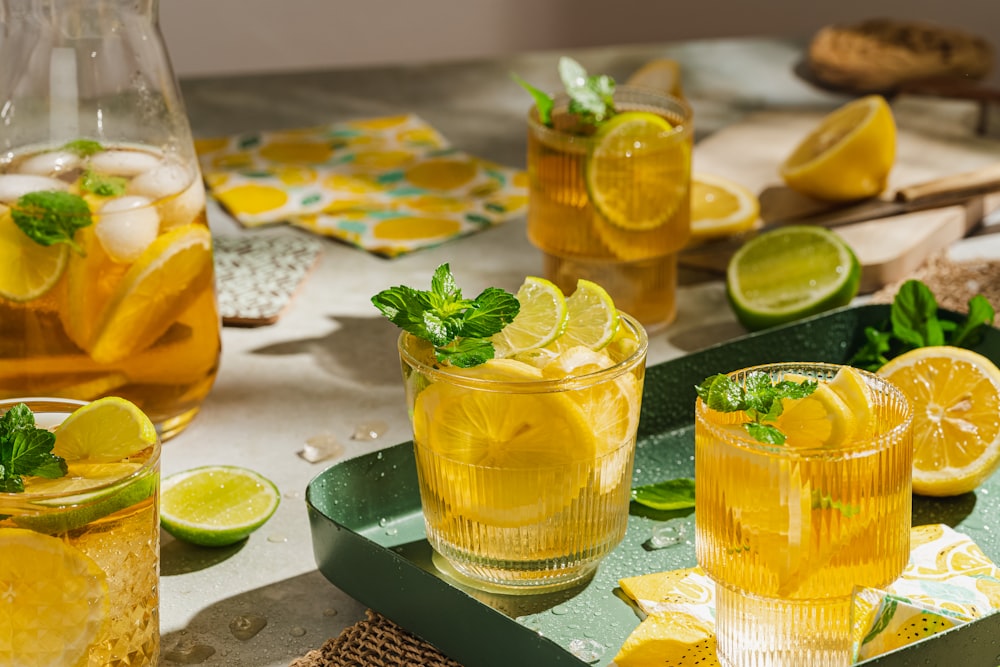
(821, 419)
(540, 320)
(108, 429)
(27, 269)
(592, 318)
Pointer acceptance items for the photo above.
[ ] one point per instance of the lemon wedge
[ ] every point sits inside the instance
(720, 207)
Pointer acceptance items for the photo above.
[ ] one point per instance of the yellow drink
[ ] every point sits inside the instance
(634, 260)
(525, 477)
(98, 545)
(133, 312)
(787, 532)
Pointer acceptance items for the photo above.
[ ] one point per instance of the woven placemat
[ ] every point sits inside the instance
(953, 282)
(375, 642)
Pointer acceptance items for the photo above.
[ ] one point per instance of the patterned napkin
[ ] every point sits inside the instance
(948, 581)
(388, 185)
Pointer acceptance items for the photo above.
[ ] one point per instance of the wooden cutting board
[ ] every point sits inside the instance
(750, 152)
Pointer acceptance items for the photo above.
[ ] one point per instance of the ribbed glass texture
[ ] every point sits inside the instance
(787, 533)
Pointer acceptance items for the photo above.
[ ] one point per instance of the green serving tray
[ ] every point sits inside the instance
(369, 541)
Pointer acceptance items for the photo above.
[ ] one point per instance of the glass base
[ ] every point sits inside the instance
(494, 578)
(764, 632)
(168, 428)
(646, 289)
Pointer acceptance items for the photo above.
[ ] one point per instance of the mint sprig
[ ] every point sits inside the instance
(758, 397)
(913, 323)
(49, 217)
(591, 98)
(26, 450)
(103, 184)
(458, 328)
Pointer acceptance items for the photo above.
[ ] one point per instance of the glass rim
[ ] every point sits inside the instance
(438, 374)
(80, 497)
(863, 447)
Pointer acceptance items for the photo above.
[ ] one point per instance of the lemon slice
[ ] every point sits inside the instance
(637, 173)
(669, 638)
(720, 207)
(592, 318)
(848, 155)
(955, 397)
(54, 584)
(166, 279)
(789, 273)
(821, 419)
(540, 320)
(27, 269)
(108, 429)
(216, 505)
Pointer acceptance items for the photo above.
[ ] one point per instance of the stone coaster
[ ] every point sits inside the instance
(257, 276)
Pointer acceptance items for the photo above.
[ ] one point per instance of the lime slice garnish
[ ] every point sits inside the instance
(216, 506)
(539, 321)
(789, 273)
(638, 170)
(593, 318)
(27, 269)
(108, 429)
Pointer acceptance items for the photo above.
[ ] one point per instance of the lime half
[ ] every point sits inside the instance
(539, 321)
(216, 506)
(790, 273)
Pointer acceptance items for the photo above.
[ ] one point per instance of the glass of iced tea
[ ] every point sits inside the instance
(612, 204)
(786, 530)
(79, 554)
(525, 473)
(106, 273)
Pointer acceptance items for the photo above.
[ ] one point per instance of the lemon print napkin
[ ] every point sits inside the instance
(948, 581)
(389, 185)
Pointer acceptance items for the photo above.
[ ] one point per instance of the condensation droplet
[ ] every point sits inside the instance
(297, 631)
(391, 530)
(370, 430)
(560, 609)
(277, 539)
(246, 626)
(321, 448)
(588, 650)
(189, 653)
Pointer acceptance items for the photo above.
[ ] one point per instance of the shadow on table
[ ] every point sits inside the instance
(264, 627)
(177, 557)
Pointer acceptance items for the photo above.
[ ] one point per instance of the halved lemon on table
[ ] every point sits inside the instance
(848, 155)
(720, 207)
(955, 397)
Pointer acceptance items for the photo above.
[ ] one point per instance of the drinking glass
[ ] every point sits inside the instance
(634, 260)
(80, 567)
(122, 301)
(786, 533)
(505, 514)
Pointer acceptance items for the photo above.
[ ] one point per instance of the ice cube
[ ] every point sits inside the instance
(49, 163)
(13, 186)
(164, 182)
(126, 226)
(123, 163)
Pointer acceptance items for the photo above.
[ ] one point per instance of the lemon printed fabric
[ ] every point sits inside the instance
(388, 185)
(947, 582)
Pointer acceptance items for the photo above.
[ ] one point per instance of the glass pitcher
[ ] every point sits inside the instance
(106, 275)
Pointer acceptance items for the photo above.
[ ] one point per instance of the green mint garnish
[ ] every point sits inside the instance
(591, 98)
(759, 398)
(458, 328)
(671, 494)
(823, 501)
(25, 450)
(103, 184)
(913, 323)
(83, 147)
(51, 216)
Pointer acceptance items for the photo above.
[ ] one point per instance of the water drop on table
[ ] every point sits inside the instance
(370, 430)
(330, 612)
(667, 535)
(297, 631)
(277, 539)
(244, 627)
(587, 650)
(321, 448)
(189, 653)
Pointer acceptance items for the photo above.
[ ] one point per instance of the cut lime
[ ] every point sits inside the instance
(593, 318)
(539, 321)
(637, 174)
(215, 506)
(789, 273)
(108, 429)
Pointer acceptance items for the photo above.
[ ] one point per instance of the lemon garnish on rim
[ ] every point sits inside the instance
(49, 578)
(955, 397)
(720, 207)
(848, 155)
(593, 319)
(539, 321)
(828, 417)
(27, 269)
(108, 429)
(637, 171)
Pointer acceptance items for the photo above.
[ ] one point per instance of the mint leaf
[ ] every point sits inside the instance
(489, 313)
(671, 494)
(83, 147)
(103, 185)
(721, 394)
(543, 101)
(970, 331)
(25, 450)
(765, 433)
(49, 217)
(591, 97)
(758, 397)
(824, 501)
(466, 352)
(914, 315)
(872, 355)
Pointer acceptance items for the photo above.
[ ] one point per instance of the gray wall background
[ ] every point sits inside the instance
(211, 37)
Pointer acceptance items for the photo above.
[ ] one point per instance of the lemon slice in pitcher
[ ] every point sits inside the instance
(27, 269)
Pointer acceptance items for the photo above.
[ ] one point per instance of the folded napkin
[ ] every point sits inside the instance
(388, 185)
(947, 582)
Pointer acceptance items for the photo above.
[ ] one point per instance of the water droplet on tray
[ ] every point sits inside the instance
(667, 535)
(245, 627)
(560, 609)
(587, 650)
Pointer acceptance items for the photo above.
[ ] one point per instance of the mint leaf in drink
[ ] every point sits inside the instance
(25, 450)
(543, 101)
(591, 97)
(83, 147)
(759, 398)
(103, 184)
(51, 216)
(671, 494)
(458, 328)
